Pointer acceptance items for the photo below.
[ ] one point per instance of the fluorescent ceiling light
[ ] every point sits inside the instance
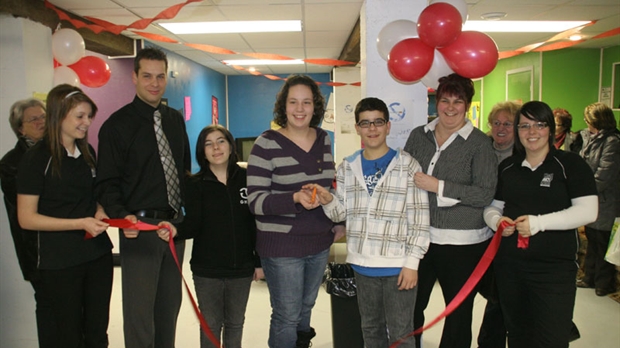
(224, 27)
(522, 26)
(252, 62)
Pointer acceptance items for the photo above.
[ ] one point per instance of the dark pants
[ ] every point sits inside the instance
(80, 304)
(451, 265)
(223, 302)
(537, 302)
(492, 330)
(598, 272)
(151, 291)
(386, 312)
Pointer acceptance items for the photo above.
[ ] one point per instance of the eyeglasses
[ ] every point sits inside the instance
(537, 125)
(35, 119)
(377, 123)
(505, 124)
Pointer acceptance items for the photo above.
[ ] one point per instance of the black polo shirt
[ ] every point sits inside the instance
(549, 188)
(68, 196)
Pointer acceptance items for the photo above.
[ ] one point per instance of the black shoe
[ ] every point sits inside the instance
(604, 292)
(303, 338)
(574, 333)
(583, 284)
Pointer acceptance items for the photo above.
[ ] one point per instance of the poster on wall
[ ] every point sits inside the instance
(474, 113)
(215, 116)
(401, 119)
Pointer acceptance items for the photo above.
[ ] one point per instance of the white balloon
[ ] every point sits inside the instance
(439, 69)
(460, 5)
(64, 74)
(393, 33)
(68, 46)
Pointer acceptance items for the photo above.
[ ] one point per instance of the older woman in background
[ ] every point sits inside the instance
(601, 149)
(459, 168)
(501, 119)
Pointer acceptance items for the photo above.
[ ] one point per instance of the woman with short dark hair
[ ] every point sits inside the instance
(544, 194)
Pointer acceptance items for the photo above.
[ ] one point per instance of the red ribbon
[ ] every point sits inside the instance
(124, 223)
(522, 242)
(469, 286)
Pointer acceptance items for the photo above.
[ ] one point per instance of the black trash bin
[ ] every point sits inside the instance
(346, 321)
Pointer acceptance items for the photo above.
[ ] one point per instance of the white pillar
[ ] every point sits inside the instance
(408, 104)
(345, 98)
(26, 68)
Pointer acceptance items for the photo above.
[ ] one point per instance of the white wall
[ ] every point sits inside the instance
(26, 67)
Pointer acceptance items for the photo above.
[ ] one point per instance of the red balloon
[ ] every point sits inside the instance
(473, 54)
(56, 64)
(92, 71)
(439, 24)
(410, 60)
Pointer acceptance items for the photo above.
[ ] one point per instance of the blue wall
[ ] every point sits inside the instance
(251, 99)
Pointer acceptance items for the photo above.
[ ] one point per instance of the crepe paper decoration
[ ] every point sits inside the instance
(608, 33)
(209, 48)
(470, 284)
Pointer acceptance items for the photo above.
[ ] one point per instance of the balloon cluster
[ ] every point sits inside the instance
(72, 66)
(435, 46)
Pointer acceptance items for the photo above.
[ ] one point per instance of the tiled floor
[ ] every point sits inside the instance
(598, 319)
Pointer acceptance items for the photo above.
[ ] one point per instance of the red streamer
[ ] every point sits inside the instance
(203, 323)
(469, 286)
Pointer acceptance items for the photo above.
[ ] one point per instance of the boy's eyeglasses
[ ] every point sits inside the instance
(377, 123)
(537, 125)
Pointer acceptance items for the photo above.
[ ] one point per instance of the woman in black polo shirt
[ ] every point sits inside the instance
(545, 194)
(56, 201)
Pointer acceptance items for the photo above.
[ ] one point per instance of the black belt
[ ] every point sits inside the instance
(156, 214)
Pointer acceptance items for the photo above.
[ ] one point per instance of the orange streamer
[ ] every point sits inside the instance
(608, 33)
(267, 56)
(558, 46)
(332, 62)
(155, 37)
(210, 49)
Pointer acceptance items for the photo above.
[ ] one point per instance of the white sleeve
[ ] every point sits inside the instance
(493, 213)
(583, 211)
(444, 201)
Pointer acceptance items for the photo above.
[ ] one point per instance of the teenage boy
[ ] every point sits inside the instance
(387, 226)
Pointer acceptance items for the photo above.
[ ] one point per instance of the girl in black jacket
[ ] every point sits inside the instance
(223, 262)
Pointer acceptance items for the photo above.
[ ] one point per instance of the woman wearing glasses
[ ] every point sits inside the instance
(459, 168)
(501, 120)
(544, 194)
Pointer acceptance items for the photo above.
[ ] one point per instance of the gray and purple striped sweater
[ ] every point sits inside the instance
(277, 168)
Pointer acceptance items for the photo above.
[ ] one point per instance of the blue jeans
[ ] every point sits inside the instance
(387, 313)
(223, 302)
(294, 284)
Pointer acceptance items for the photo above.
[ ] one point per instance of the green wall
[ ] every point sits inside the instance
(570, 78)
(494, 84)
(571, 81)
